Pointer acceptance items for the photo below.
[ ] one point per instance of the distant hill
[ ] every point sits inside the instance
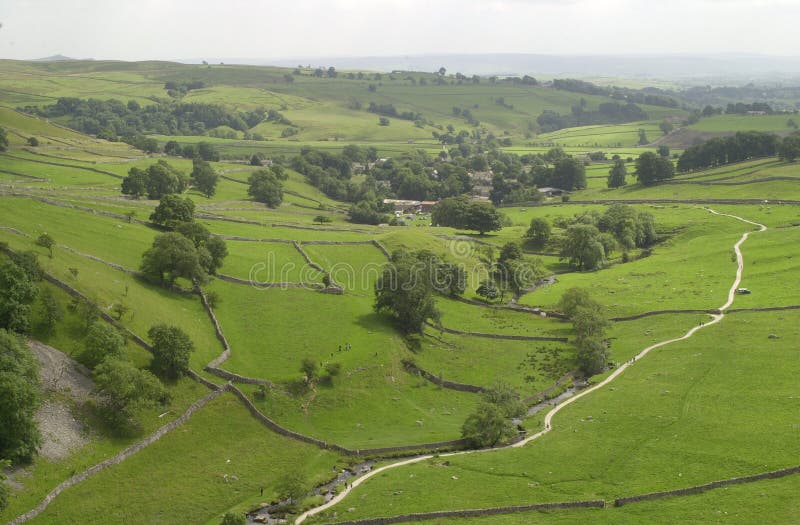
(55, 58)
(730, 67)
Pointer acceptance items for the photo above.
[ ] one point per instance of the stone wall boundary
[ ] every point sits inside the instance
(412, 368)
(470, 513)
(697, 489)
(87, 168)
(116, 459)
(542, 394)
(498, 336)
(275, 427)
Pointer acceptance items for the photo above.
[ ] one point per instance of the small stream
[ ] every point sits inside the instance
(263, 515)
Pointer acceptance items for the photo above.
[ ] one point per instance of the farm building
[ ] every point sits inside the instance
(551, 192)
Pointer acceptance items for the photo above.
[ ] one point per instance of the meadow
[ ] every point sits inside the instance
(720, 404)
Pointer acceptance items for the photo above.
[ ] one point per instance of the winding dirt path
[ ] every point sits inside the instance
(716, 318)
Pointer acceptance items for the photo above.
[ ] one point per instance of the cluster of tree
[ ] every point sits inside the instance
(157, 180)
(511, 272)
(314, 374)
(725, 150)
(3, 140)
(466, 114)
(650, 96)
(526, 80)
(591, 237)
(617, 174)
(177, 89)
(652, 168)
(202, 150)
(740, 108)
(419, 176)
(789, 148)
(20, 394)
(111, 119)
(554, 168)
(124, 388)
(19, 370)
(606, 113)
(204, 178)
(459, 212)
(189, 251)
(491, 423)
(389, 110)
(161, 179)
(265, 185)
(590, 325)
(406, 288)
(578, 86)
(18, 289)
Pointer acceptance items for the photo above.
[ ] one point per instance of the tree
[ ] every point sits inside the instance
(451, 212)
(86, 310)
(569, 174)
(506, 398)
(582, 247)
(207, 152)
(33, 141)
(588, 321)
(789, 148)
(255, 161)
(663, 150)
(17, 292)
(651, 168)
(290, 486)
(157, 180)
(488, 290)
(643, 137)
(539, 231)
(482, 217)
(51, 310)
(19, 398)
(211, 250)
(171, 349)
(617, 174)
(231, 518)
(265, 187)
(509, 251)
(102, 341)
(124, 390)
(405, 291)
(308, 367)
(591, 355)
(631, 228)
(46, 240)
(29, 262)
(574, 299)
(172, 148)
(3, 140)
(172, 256)
(666, 127)
(173, 209)
(162, 179)
(383, 121)
(487, 426)
(135, 184)
(366, 212)
(205, 178)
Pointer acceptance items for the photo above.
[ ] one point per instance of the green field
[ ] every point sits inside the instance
(720, 404)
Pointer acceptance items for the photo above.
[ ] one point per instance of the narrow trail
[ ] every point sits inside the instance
(716, 318)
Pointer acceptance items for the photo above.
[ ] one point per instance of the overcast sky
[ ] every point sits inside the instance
(179, 29)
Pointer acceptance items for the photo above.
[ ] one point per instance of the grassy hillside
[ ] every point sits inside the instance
(722, 403)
